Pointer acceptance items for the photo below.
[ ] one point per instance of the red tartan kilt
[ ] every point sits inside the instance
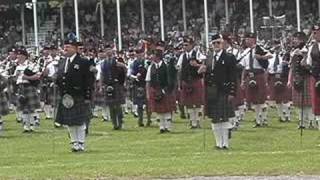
(278, 95)
(196, 98)
(315, 96)
(240, 95)
(296, 96)
(173, 98)
(257, 95)
(163, 106)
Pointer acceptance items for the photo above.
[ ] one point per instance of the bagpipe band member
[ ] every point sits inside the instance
(220, 85)
(28, 99)
(191, 83)
(74, 85)
(313, 60)
(253, 78)
(277, 79)
(138, 75)
(112, 80)
(158, 92)
(299, 81)
(4, 105)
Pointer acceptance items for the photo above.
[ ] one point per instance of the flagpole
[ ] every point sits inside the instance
(77, 19)
(251, 17)
(119, 26)
(23, 24)
(270, 8)
(184, 15)
(142, 16)
(61, 22)
(161, 20)
(298, 15)
(35, 23)
(227, 11)
(101, 18)
(206, 23)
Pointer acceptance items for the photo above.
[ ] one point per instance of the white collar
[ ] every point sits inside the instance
(72, 57)
(218, 54)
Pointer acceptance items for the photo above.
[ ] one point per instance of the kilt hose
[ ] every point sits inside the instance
(297, 95)
(49, 95)
(278, 94)
(4, 104)
(162, 106)
(29, 99)
(77, 115)
(192, 98)
(258, 94)
(315, 96)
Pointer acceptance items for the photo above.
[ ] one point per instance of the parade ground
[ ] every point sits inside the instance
(144, 153)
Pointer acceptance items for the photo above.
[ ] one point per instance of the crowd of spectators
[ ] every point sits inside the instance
(89, 18)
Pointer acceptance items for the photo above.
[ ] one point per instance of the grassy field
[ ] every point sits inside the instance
(144, 153)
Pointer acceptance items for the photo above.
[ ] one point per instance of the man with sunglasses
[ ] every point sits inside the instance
(220, 84)
(313, 60)
(190, 82)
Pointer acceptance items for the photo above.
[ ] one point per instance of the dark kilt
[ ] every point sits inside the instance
(48, 93)
(32, 98)
(163, 106)
(218, 108)
(75, 116)
(4, 104)
(315, 96)
(297, 97)
(118, 97)
(240, 96)
(279, 95)
(256, 95)
(139, 100)
(196, 97)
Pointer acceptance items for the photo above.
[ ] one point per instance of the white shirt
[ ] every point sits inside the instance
(19, 72)
(98, 66)
(245, 62)
(234, 51)
(271, 64)
(309, 59)
(189, 55)
(51, 68)
(148, 76)
(130, 66)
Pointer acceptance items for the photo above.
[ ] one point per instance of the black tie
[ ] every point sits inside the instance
(276, 63)
(251, 60)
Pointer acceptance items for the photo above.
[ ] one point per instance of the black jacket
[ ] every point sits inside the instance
(77, 81)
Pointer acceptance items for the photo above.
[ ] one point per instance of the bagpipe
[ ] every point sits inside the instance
(37, 67)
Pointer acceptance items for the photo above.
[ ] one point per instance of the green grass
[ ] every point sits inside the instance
(143, 153)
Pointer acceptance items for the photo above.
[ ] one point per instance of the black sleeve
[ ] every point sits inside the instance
(87, 79)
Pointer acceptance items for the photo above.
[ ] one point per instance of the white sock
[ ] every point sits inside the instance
(162, 123)
(81, 133)
(26, 121)
(106, 112)
(216, 129)
(280, 110)
(258, 110)
(225, 137)
(73, 133)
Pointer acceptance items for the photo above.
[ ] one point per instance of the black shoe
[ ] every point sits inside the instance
(141, 125)
(18, 120)
(148, 123)
(166, 130)
(301, 127)
(162, 131)
(193, 127)
(225, 148)
(183, 116)
(257, 126)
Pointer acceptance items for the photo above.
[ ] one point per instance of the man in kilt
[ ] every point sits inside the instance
(47, 90)
(4, 104)
(111, 84)
(74, 84)
(277, 79)
(28, 79)
(220, 83)
(190, 82)
(159, 93)
(313, 60)
(253, 78)
(299, 81)
(138, 76)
